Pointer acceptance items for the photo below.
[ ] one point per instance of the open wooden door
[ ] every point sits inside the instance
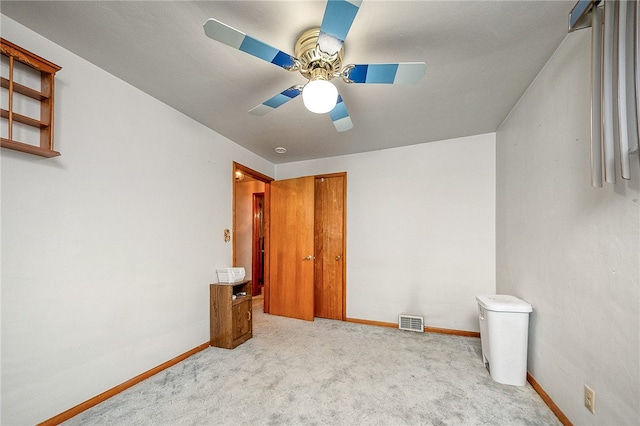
(291, 248)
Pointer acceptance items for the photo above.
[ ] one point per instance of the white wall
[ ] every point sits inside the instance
(420, 229)
(569, 249)
(107, 250)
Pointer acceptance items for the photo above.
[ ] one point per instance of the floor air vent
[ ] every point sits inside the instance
(411, 323)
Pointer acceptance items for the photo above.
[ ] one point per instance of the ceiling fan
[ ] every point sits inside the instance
(318, 57)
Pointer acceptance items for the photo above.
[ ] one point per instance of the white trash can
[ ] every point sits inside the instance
(504, 335)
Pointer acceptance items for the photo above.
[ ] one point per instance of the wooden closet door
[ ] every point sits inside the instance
(329, 245)
(291, 249)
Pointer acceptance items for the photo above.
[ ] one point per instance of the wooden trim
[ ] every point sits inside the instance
(10, 95)
(426, 329)
(256, 250)
(66, 415)
(247, 171)
(463, 333)
(29, 58)
(330, 175)
(344, 248)
(369, 322)
(266, 287)
(234, 201)
(47, 83)
(547, 400)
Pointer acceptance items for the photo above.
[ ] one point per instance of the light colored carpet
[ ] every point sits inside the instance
(326, 373)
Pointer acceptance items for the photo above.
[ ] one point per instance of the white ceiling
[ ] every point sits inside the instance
(480, 57)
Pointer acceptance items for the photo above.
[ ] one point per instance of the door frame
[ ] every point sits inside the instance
(257, 250)
(239, 168)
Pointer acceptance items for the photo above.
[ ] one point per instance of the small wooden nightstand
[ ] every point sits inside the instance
(230, 317)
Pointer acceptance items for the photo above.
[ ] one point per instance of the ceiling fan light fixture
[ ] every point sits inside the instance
(319, 95)
(319, 52)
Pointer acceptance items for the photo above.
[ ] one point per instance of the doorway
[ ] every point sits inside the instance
(250, 219)
(293, 234)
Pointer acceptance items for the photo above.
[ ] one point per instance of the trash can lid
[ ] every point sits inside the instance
(503, 303)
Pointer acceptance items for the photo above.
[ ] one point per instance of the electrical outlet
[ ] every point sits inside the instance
(590, 399)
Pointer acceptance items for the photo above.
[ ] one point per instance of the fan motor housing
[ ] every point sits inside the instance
(312, 58)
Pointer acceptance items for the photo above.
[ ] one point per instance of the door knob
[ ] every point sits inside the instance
(338, 257)
(309, 257)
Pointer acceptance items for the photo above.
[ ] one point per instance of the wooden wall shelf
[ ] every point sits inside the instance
(45, 70)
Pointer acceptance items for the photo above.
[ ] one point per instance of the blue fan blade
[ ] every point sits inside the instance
(340, 116)
(225, 34)
(276, 101)
(401, 73)
(336, 23)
